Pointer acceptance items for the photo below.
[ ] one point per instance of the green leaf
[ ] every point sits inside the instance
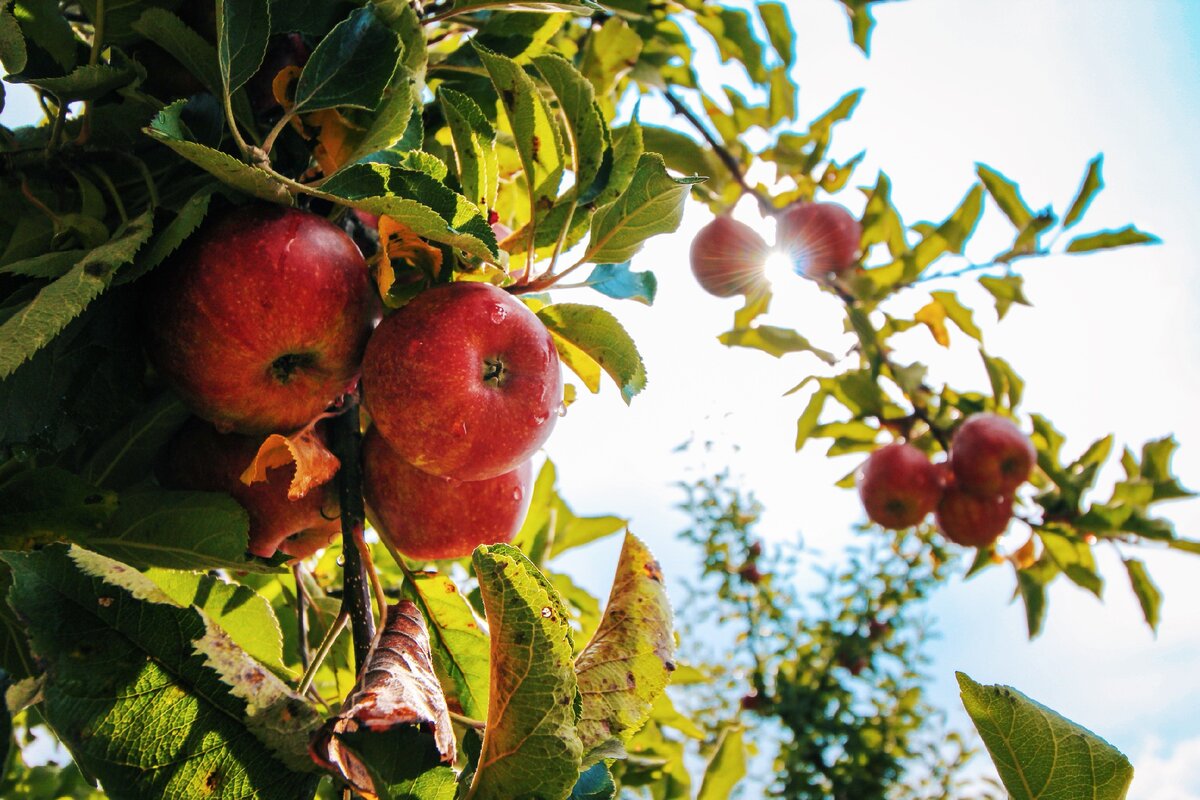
(171, 680)
(48, 266)
(774, 341)
(1106, 240)
(170, 236)
(247, 617)
(1147, 593)
(474, 142)
(598, 334)
(533, 6)
(536, 136)
(959, 314)
(862, 22)
(1007, 196)
(628, 146)
(243, 29)
(611, 52)
(952, 235)
(809, 418)
(1091, 186)
(595, 783)
(403, 763)
(628, 662)
(84, 83)
(551, 527)
(12, 43)
(652, 204)
(1040, 754)
(49, 504)
(44, 317)
(1033, 592)
(460, 647)
(424, 204)
(590, 142)
(187, 47)
(775, 19)
(351, 66)
(168, 128)
(730, 29)
(619, 282)
(43, 24)
(1008, 291)
(726, 767)
(1074, 557)
(530, 748)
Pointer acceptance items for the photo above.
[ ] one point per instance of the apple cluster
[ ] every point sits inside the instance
(821, 240)
(971, 495)
(268, 317)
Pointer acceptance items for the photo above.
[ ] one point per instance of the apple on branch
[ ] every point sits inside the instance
(463, 381)
(728, 258)
(428, 517)
(899, 486)
(991, 456)
(821, 239)
(260, 320)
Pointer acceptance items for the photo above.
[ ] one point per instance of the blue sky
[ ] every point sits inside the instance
(1033, 89)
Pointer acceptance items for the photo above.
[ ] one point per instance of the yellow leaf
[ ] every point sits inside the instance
(315, 465)
(933, 316)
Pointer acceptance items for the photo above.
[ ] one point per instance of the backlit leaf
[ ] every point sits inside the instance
(598, 334)
(460, 647)
(351, 66)
(1107, 240)
(774, 341)
(620, 282)
(726, 768)
(1007, 195)
(652, 204)
(1093, 182)
(1148, 595)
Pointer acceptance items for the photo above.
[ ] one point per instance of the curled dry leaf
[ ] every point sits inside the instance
(315, 464)
(397, 687)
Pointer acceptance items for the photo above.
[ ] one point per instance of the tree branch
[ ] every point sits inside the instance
(356, 588)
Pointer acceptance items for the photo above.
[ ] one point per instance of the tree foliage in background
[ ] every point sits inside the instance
(138, 632)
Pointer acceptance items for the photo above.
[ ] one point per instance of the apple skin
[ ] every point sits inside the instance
(203, 459)
(260, 320)
(429, 518)
(821, 239)
(463, 381)
(990, 456)
(728, 258)
(898, 486)
(970, 520)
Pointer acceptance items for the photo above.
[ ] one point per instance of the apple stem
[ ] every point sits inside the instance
(356, 586)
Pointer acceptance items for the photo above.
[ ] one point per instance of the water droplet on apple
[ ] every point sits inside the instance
(341, 561)
(538, 419)
(517, 494)
(562, 409)
(499, 314)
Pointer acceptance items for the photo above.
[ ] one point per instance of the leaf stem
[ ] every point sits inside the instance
(331, 636)
(301, 615)
(469, 722)
(269, 142)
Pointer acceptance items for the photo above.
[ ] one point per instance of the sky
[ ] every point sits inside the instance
(1034, 89)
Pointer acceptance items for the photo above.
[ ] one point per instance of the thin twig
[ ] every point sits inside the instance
(301, 615)
(468, 721)
(331, 636)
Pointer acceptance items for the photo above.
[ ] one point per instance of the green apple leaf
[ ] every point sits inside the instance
(48, 266)
(425, 205)
(1007, 195)
(619, 282)
(84, 83)
(730, 28)
(1107, 240)
(1008, 291)
(537, 137)
(243, 30)
(246, 616)
(168, 238)
(187, 47)
(533, 6)
(403, 764)
(44, 25)
(12, 41)
(611, 52)
(173, 680)
(460, 647)
(56, 304)
(351, 66)
(474, 142)
(1148, 595)
(530, 747)
(957, 313)
(1093, 182)
(551, 527)
(652, 204)
(1040, 754)
(599, 335)
(774, 18)
(595, 783)
(48, 504)
(389, 121)
(628, 147)
(591, 144)
(726, 767)
(168, 129)
(628, 662)
(774, 341)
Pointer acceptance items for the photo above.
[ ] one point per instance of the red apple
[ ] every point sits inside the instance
(728, 257)
(203, 459)
(990, 456)
(259, 321)
(427, 517)
(970, 520)
(463, 382)
(821, 239)
(898, 486)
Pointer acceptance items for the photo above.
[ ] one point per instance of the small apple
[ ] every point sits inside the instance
(463, 381)
(990, 456)
(821, 239)
(898, 486)
(750, 574)
(728, 257)
(970, 520)
(201, 458)
(259, 321)
(427, 517)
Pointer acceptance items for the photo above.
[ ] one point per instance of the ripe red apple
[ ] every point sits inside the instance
(898, 486)
(201, 458)
(259, 321)
(990, 456)
(728, 257)
(821, 239)
(970, 520)
(463, 381)
(427, 517)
